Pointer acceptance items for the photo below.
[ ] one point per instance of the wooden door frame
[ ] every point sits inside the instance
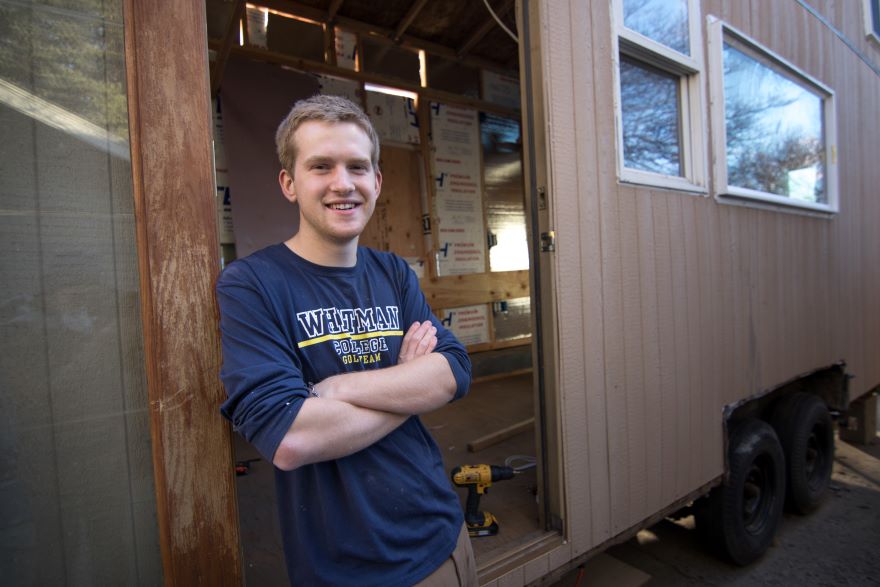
(178, 256)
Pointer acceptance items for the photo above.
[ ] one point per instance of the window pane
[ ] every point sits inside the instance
(650, 106)
(875, 16)
(77, 497)
(664, 21)
(775, 138)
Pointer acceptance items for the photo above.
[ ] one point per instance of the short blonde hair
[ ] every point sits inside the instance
(321, 108)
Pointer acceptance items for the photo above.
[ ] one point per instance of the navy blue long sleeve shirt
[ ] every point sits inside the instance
(385, 515)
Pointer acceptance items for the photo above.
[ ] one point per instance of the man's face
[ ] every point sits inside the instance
(334, 181)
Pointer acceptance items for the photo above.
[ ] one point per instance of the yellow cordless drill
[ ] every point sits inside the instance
(478, 479)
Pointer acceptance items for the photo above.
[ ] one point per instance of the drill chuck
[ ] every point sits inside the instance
(481, 476)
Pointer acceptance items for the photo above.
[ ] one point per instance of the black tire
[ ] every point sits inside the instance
(741, 516)
(804, 428)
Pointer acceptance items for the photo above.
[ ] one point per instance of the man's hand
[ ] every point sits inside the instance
(420, 339)
(421, 380)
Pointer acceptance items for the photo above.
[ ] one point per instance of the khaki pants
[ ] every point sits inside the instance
(459, 569)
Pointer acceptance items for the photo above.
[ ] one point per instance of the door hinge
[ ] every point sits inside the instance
(548, 241)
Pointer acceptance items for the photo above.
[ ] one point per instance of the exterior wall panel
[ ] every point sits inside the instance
(681, 304)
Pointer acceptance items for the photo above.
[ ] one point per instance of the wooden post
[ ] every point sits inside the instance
(178, 257)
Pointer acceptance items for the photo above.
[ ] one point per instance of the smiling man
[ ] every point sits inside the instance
(330, 353)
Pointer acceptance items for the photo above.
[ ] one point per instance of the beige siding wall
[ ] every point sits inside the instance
(671, 305)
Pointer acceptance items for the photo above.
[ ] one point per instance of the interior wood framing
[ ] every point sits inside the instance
(443, 292)
(377, 33)
(363, 77)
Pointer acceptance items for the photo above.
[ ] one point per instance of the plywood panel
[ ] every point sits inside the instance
(668, 406)
(766, 312)
(590, 353)
(611, 286)
(536, 569)
(396, 224)
(634, 382)
(562, 27)
(680, 312)
(650, 340)
(559, 556)
(694, 360)
(704, 341)
(712, 311)
(684, 304)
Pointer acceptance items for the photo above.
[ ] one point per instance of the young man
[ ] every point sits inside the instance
(324, 382)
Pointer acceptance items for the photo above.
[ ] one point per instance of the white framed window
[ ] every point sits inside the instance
(872, 19)
(774, 138)
(660, 103)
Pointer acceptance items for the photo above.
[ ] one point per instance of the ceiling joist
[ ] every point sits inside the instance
(226, 46)
(411, 15)
(334, 8)
(379, 34)
(483, 30)
(371, 78)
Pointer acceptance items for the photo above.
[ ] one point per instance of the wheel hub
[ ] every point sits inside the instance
(757, 496)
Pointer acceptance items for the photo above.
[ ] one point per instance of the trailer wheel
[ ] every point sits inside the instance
(804, 428)
(741, 516)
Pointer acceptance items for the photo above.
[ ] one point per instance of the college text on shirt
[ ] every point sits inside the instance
(358, 335)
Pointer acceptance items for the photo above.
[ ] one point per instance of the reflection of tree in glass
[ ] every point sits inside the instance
(770, 170)
(664, 21)
(773, 131)
(71, 58)
(649, 103)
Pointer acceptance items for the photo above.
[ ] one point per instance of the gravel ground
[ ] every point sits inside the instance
(838, 544)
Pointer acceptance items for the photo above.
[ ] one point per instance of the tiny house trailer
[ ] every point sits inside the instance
(697, 280)
(651, 222)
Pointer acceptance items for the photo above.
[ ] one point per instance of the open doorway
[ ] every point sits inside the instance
(440, 82)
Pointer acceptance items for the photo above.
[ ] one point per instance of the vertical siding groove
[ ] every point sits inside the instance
(666, 354)
(600, 450)
(695, 354)
(650, 352)
(578, 401)
(633, 337)
(613, 343)
(681, 383)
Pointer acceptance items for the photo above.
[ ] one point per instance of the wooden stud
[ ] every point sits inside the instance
(333, 10)
(226, 47)
(178, 258)
(424, 114)
(498, 345)
(452, 291)
(245, 28)
(330, 44)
